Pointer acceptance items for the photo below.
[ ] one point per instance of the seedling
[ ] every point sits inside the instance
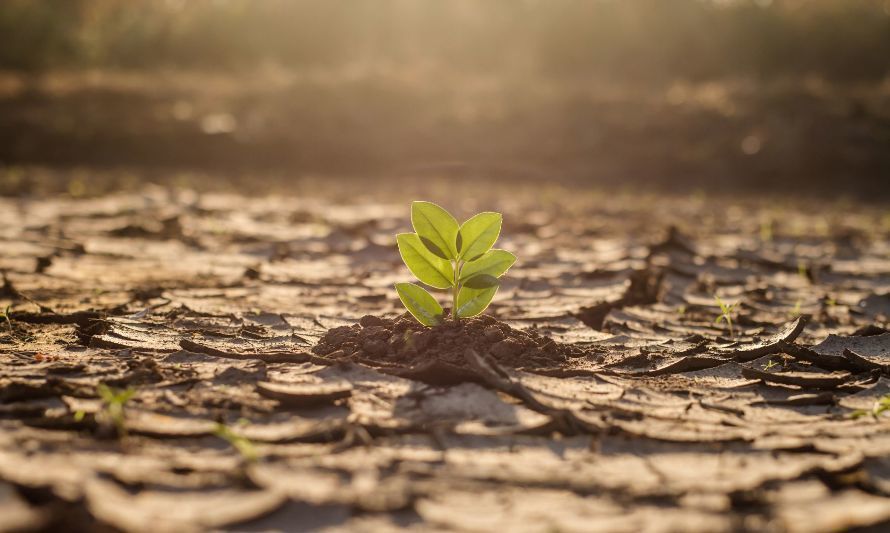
(770, 364)
(766, 230)
(796, 311)
(881, 405)
(113, 402)
(802, 270)
(726, 311)
(458, 257)
(242, 444)
(5, 315)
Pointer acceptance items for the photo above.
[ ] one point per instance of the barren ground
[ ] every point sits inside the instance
(208, 305)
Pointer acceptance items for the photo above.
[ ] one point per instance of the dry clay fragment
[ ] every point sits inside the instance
(772, 344)
(875, 349)
(800, 379)
(304, 394)
(156, 510)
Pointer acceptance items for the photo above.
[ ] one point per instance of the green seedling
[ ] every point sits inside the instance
(456, 257)
(242, 444)
(770, 364)
(766, 230)
(113, 403)
(5, 315)
(796, 311)
(726, 311)
(881, 406)
(802, 270)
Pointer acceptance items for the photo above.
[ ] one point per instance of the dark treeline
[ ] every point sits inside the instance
(561, 39)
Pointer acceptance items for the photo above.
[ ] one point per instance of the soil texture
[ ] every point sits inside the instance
(181, 360)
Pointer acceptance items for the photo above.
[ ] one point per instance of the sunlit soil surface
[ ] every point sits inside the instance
(653, 417)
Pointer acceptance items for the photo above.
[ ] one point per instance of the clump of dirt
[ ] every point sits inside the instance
(406, 343)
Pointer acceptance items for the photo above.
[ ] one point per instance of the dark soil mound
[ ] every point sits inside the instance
(403, 342)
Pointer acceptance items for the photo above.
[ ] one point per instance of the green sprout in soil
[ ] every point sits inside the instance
(770, 364)
(113, 402)
(881, 406)
(5, 316)
(726, 311)
(458, 257)
(766, 230)
(802, 270)
(242, 444)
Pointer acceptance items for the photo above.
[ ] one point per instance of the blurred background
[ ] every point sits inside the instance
(789, 96)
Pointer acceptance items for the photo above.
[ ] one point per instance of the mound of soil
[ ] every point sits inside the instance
(403, 342)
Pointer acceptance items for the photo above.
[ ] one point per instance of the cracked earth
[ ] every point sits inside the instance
(637, 412)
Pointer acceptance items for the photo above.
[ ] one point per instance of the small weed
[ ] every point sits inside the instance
(681, 310)
(881, 406)
(726, 311)
(766, 230)
(114, 402)
(5, 316)
(446, 255)
(242, 444)
(770, 364)
(802, 270)
(795, 311)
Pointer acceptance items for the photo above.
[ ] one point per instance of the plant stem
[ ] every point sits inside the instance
(454, 290)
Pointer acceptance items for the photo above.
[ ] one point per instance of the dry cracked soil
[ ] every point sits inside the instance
(277, 385)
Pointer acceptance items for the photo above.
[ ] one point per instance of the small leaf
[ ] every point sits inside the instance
(428, 268)
(481, 281)
(420, 304)
(435, 224)
(493, 262)
(431, 246)
(479, 233)
(471, 302)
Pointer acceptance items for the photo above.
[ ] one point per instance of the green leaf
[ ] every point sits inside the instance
(420, 304)
(428, 268)
(433, 248)
(481, 281)
(436, 226)
(493, 262)
(479, 233)
(471, 302)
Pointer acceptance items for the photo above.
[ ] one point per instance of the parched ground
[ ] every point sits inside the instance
(208, 306)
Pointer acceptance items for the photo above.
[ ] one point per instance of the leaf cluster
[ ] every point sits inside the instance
(242, 444)
(444, 254)
(113, 401)
(880, 406)
(726, 312)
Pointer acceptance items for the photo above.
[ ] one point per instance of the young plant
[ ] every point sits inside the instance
(113, 402)
(5, 316)
(242, 444)
(880, 406)
(457, 257)
(796, 310)
(726, 311)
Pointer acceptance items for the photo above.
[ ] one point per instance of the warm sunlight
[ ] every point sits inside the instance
(463, 265)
